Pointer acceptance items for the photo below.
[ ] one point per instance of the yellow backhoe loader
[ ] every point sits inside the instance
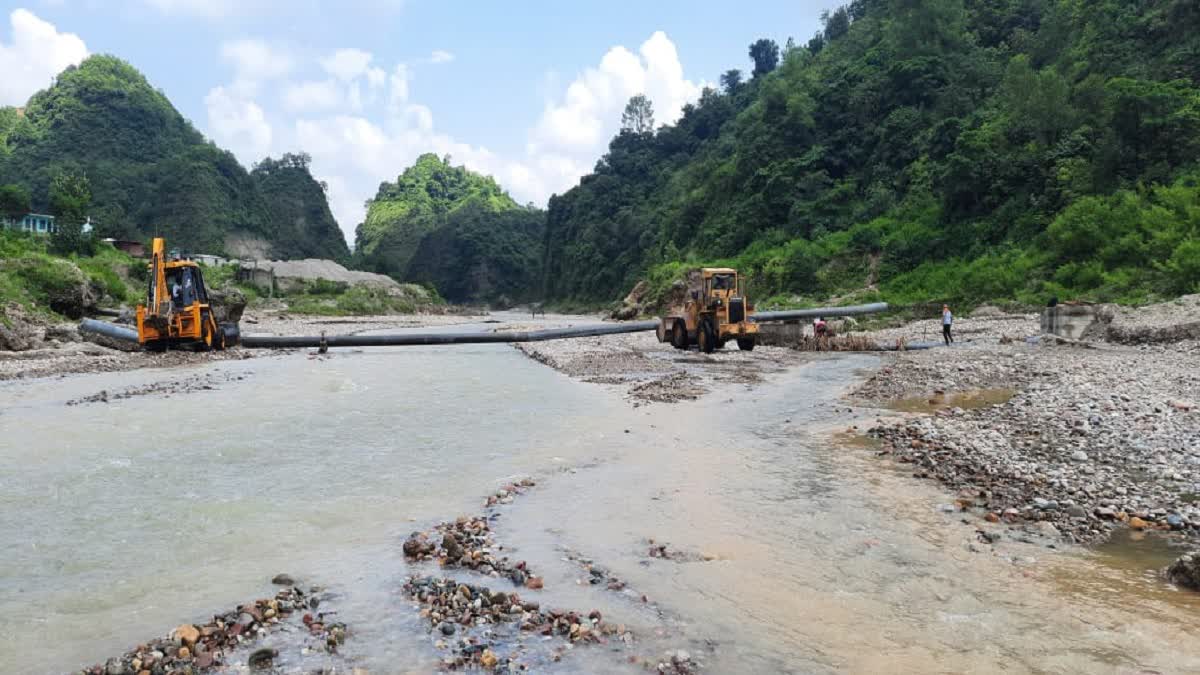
(177, 312)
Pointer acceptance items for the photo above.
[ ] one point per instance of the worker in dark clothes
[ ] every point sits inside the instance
(947, 322)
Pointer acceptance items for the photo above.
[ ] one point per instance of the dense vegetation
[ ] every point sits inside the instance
(38, 281)
(150, 172)
(918, 150)
(454, 229)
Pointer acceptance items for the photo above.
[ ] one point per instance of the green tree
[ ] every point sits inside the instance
(765, 55)
(70, 198)
(14, 202)
(638, 117)
(731, 80)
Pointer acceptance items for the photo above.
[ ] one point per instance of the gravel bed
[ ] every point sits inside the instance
(1091, 440)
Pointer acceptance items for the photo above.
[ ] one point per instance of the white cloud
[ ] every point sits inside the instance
(310, 96)
(376, 77)
(399, 92)
(256, 61)
(239, 124)
(347, 64)
(36, 54)
(441, 56)
(361, 124)
(589, 113)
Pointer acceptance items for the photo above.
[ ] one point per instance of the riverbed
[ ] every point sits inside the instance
(124, 519)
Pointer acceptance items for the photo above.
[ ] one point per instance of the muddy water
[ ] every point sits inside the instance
(120, 521)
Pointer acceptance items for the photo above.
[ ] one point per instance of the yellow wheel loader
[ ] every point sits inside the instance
(177, 312)
(714, 314)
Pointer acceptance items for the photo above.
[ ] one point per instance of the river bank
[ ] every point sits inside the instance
(1075, 440)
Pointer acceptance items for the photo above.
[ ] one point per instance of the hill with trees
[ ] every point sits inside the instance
(455, 229)
(917, 150)
(150, 172)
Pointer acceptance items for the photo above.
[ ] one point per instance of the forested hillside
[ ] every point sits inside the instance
(455, 229)
(917, 150)
(150, 171)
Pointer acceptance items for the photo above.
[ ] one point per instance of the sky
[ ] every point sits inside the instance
(529, 92)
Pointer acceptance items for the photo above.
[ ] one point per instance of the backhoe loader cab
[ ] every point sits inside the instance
(713, 314)
(177, 312)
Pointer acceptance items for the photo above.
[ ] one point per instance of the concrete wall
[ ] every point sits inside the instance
(1069, 321)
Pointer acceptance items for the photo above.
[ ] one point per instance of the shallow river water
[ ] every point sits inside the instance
(119, 521)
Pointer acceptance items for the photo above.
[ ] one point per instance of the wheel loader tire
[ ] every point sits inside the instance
(679, 336)
(746, 344)
(706, 337)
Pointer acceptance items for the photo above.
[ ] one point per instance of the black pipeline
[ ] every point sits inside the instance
(412, 339)
(416, 339)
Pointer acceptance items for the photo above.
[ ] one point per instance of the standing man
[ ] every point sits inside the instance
(947, 321)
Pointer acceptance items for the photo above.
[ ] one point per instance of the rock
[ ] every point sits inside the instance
(488, 659)
(1079, 456)
(1176, 522)
(115, 667)
(187, 634)
(1047, 529)
(63, 332)
(447, 628)
(1138, 524)
(1076, 511)
(228, 303)
(184, 653)
(18, 336)
(262, 659)
(283, 580)
(416, 545)
(534, 583)
(452, 547)
(1185, 571)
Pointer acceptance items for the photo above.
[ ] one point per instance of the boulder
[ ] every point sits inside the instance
(17, 336)
(638, 294)
(71, 294)
(1186, 571)
(63, 332)
(228, 303)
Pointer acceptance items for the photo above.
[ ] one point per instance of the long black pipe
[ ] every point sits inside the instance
(410, 339)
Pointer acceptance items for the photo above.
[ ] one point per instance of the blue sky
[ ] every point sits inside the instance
(528, 92)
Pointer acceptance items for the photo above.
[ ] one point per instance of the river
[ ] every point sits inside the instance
(121, 520)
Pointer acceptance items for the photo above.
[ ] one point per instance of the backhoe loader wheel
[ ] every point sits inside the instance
(206, 337)
(679, 336)
(706, 336)
(746, 344)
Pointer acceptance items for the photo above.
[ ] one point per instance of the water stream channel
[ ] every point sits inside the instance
(120, 520)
